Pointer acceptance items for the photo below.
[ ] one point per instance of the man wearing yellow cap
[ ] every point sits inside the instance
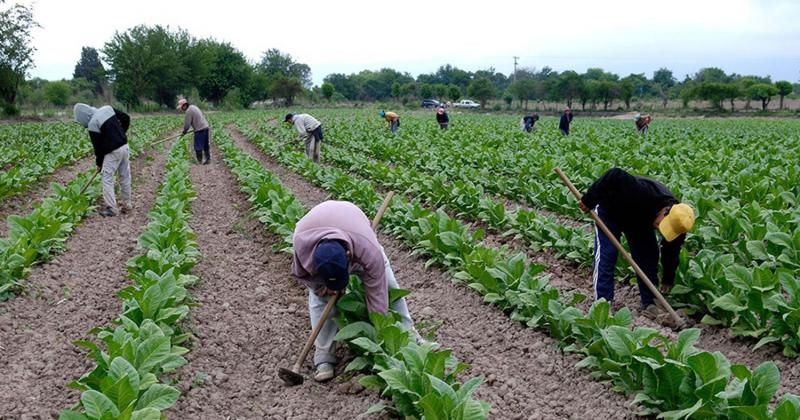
(636, 206)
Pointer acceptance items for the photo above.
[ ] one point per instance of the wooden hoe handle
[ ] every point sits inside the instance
(625, 254)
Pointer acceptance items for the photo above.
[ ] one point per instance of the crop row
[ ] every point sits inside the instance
(420, 382)
(144, 342)
(36, 237)
(756, 293)
(670, 378)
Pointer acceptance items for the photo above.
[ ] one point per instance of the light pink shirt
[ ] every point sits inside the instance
(343, 221)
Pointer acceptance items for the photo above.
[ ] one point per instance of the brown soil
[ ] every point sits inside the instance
(24, 202)
(67, 297)
(526, 376)
(253, 319)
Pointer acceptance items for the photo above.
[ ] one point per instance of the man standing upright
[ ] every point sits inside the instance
(310, 131)
(107, 130)
(566, 119)
(194, 118)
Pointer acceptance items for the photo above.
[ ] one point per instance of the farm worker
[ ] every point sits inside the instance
(107, 127)
(442, 118)
(636, 206)
(642, 123)
(393, 119)
(563, 124)
(529, 122)
(333, 240)
(310, 132)
(194, 118)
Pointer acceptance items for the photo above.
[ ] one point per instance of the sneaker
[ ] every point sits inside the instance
(324, 372)
(107, 212)
(426, 343)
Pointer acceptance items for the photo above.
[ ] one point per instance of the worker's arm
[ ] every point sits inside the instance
(99, 154)
(374, 279)
(124, 119)
(670, 256)
(612, 182)
(187, 121)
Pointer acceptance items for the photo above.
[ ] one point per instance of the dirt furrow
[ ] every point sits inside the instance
(24, 202)
(66, 298)
(253, 319)
(526, 376)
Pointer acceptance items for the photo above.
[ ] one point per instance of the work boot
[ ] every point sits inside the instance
(661, 316)
(107, 212)
(324, 372)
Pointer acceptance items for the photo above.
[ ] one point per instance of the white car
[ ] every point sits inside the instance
(467, 103)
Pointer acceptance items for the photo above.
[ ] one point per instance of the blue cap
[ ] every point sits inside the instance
(330, 261)
(383, 114)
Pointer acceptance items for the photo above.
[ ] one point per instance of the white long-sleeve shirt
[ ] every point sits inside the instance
(305, 124)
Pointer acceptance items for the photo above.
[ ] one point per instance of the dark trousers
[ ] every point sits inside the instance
(644, 250)
(201, 145)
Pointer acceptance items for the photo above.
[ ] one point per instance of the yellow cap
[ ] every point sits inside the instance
(679, 221)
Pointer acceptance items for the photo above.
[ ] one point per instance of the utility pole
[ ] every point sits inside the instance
(515, 68)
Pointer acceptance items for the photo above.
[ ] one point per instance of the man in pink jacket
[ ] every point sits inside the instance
(333, 240)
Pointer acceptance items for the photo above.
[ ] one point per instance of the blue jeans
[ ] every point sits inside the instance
(394, 125)
(644, 250)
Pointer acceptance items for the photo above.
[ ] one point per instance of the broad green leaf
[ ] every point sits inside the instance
(158, 396)
(97, 405)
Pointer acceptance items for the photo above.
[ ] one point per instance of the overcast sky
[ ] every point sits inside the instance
(623, 36)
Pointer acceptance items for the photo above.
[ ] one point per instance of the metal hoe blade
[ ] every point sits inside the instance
(289, 377)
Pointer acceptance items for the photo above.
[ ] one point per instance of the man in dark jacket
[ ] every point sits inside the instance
(529, 122)
(442, 118)
(636, 206)
(107, 127)
(563, 124)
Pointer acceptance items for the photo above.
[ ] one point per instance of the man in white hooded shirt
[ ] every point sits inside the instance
(107, 127)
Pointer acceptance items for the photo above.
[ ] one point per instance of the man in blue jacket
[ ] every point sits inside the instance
(637, 206)
(107, 130)
(566, 119)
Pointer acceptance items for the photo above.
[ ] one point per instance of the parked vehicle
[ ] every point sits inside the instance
(431, 103)
(467, 103)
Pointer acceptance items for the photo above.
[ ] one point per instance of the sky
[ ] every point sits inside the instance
(622, 36)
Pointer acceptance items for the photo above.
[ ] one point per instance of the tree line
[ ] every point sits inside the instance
(155, 65)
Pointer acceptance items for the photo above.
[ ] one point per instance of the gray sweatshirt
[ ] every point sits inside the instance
(194, 118)
(305, 124)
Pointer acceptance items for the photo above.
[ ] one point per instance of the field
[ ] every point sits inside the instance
(185, 308)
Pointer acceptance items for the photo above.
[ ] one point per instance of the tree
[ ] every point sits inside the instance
(57, 93)
(762, 92)
(664, 81)
(150, 62)
(16, 52)
(426, 91)
(440, 90)
(523, 90)
(453, 93)
(343, 84)
(733, 91)
(328, 90)
(508, 98)
(287, 88)
(481, 89)
(396, 89)
(408, 90)
(90, 68)
(568, 86)
(627, 87)
(784, 88)
(224, 68)
(274, 62)
(713, 92)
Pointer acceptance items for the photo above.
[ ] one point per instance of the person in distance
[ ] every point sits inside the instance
(564, 122)
(310, 131)
(442, 118)
(197, 121)
(392, 119)
(529, 122)
(642, 124)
